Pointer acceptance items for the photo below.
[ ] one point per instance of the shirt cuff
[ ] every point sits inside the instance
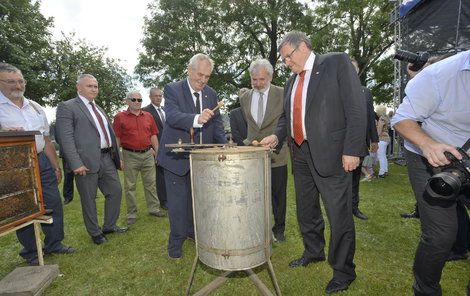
(195, 123)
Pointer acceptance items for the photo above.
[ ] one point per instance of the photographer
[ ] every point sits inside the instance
(439, 98)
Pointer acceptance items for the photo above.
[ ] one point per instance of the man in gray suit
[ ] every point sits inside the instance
(158, 114)
(90, 150)
(325, 120)
(262, 107)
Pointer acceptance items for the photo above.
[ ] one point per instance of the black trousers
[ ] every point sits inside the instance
(160, 181)
(356, 178)
(67, 186)
(439, 228)
(278, 197)
(335, 192)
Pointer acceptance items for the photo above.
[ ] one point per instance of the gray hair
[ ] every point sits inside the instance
(83, 76)
(258, 64)
(381, 110)
(294, 38)
(153, 89)
(132, 92)
(194, 61)
(5, 67)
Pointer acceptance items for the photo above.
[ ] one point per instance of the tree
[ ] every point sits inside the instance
(74, 57)
(362, 29)
(25, 42)
(233, 33)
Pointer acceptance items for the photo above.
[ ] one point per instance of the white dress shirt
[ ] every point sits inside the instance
(27, 117)
(105, 123)
(195, 123)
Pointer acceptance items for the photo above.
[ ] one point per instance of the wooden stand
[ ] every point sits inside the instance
(37, 223)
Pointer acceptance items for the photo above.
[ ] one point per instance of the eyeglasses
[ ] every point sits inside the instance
(289, 56)
(14, 82)
(134, 99)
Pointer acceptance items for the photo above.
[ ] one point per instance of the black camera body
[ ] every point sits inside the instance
(418, 60)
(448, 183)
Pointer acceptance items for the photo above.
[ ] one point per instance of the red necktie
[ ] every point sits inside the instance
(100, 121)
(297, 113)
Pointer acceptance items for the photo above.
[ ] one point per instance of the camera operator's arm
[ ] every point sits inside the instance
(432, 150)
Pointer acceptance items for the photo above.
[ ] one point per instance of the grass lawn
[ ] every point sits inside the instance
(136, 263)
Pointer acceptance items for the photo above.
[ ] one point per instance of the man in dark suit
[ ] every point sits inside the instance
(188, 105)
(372, 140)
(91, 152)
(263, 106)
(158, 114)
(325, 119)
(238, 126)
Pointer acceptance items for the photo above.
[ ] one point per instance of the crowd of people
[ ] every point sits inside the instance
(322, 118)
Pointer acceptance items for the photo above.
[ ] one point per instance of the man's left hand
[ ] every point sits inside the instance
(350, 163)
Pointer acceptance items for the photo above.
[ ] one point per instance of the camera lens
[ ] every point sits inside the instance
(444, 185)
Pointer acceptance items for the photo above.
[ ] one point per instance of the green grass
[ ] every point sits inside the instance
(136, 263)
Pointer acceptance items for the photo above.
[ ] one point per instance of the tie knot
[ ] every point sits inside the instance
(302, 74)
(196, 94)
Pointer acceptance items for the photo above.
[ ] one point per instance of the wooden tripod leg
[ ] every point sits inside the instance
(37, 235)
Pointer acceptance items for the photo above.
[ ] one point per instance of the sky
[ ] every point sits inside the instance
(116, 25)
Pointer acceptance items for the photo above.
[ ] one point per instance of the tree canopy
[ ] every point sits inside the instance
(234, 33)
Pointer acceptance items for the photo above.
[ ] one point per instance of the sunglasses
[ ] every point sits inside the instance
(134, 99)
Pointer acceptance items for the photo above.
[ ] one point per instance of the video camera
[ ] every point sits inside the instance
(418, 60)
(448, 183)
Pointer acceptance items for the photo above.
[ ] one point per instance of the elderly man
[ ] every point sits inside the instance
(158, 114)
(188, 105)
(262, 107)
(325, 120)
(91, 152)
(19, 113)
(136, 132)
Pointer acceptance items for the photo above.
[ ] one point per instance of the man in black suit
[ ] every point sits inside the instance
(238, 126)
(325, 120)
(372, 141)
(158, 114)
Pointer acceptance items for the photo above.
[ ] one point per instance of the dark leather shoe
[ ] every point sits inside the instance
(33, 261)
(62, 250)
(99, 239)
(279, 237)
(67, 201)
(302, 261)
(411, 215)
(115, 229)
(359, 214)
(336, 286)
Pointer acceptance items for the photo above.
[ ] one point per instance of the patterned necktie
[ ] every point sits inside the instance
(198, 103)
(100, 121)
(162, 116)
(260, 110)
(297, 113)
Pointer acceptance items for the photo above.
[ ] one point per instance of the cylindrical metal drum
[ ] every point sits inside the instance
(232, 205)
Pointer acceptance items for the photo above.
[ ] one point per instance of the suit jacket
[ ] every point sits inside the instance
(335, 113)
(371, 135)
(151, 109)
(79, 138)
(180, 112)
(238, 126)
(274, 110)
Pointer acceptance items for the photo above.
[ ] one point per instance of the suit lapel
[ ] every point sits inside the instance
(188, 96)
(85, 110)
(271, 106)
(317, 71)
(247, 107)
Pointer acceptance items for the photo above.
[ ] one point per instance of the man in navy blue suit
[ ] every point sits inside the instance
(188, 104)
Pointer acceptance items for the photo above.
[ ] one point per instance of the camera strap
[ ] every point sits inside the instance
(466, 146)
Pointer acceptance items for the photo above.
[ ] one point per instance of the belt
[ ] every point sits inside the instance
(137, 150)
(106, 150)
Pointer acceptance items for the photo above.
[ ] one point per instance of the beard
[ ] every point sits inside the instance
(17, 94)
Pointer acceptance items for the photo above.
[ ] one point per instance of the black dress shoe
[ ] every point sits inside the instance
(359, 214)
(456, 256)
(336, 286)
(302, 261)
(413, 214)
(279, 237)
(99, 239)
(115, 229)
(62, 250)
(67, 201)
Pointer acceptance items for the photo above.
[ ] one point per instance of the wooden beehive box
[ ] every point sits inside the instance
(20, 183)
